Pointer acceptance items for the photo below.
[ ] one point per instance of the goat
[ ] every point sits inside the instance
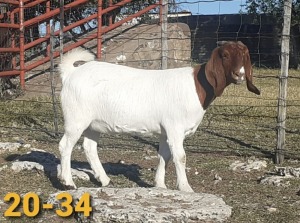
(99, 97)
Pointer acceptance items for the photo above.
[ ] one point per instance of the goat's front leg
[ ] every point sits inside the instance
(175, 142)
(164, 155)
(90, 149)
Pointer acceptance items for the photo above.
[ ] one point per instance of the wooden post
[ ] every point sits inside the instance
(281, 116)
(164, 34)
(55, 119)
(61, 30)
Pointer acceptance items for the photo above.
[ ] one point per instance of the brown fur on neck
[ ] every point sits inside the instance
(205, 90)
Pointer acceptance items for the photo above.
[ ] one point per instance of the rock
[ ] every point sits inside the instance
(280, 175)
(278, 181)
(288, 171)
(150, 205)
(50, 164)
(249, 165)
(271, 209)
(9, 147)
(27, 146)
(3, 167)
(19, 166)
(217, 179)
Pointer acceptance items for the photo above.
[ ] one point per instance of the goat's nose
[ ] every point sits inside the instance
(242, 71)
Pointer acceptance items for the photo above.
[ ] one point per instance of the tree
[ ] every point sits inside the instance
(273, 7)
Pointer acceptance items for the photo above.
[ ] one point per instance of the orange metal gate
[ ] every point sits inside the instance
(12, 31)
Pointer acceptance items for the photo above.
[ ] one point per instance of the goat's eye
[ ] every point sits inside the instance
(225, 56)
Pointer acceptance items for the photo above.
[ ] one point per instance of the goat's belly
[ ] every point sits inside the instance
(138, 128)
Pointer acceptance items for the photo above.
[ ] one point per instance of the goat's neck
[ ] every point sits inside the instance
(205, 89)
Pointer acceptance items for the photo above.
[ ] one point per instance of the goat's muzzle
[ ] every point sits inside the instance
(238, 76)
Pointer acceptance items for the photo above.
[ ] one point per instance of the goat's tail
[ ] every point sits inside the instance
(67, 65)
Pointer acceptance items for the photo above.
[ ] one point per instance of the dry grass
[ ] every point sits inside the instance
(238, 125)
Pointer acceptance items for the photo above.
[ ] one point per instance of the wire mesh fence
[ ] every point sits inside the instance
(238, 123)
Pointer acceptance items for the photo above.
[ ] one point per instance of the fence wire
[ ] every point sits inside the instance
(237, 123)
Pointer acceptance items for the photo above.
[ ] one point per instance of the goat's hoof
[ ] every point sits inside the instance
(104, 182)
(70, 187)
(186, 189)
(111, 184)
(161, 186)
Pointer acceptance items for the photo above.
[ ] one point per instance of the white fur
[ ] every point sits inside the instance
(109, 98)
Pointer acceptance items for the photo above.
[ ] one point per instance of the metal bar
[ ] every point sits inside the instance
(31, 4)
(13, 42)
(9, 50)
(66, 49)
(79, 43)
(65, 29)
(36, 2)
(36, 42)
(9, 73)
(9, 25)
(10, 2)
(73, 25)
(106, 29)
(117, 24)
(52, 13)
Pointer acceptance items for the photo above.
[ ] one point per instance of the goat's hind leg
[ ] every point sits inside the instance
(66, 145)
(164, 155)
(90, 148)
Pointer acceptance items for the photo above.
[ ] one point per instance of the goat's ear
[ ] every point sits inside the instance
(248, 72)
(215, 72)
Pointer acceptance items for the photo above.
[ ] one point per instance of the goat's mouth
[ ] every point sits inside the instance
(238, 78)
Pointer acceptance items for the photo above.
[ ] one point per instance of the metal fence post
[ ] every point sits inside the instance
(281, 115)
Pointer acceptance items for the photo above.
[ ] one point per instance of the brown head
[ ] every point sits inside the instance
(229, 63)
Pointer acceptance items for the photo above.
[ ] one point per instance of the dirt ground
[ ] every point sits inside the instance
(251, 201)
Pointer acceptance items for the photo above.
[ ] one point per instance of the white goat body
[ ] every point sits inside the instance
(108, 98)
(114, 98)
